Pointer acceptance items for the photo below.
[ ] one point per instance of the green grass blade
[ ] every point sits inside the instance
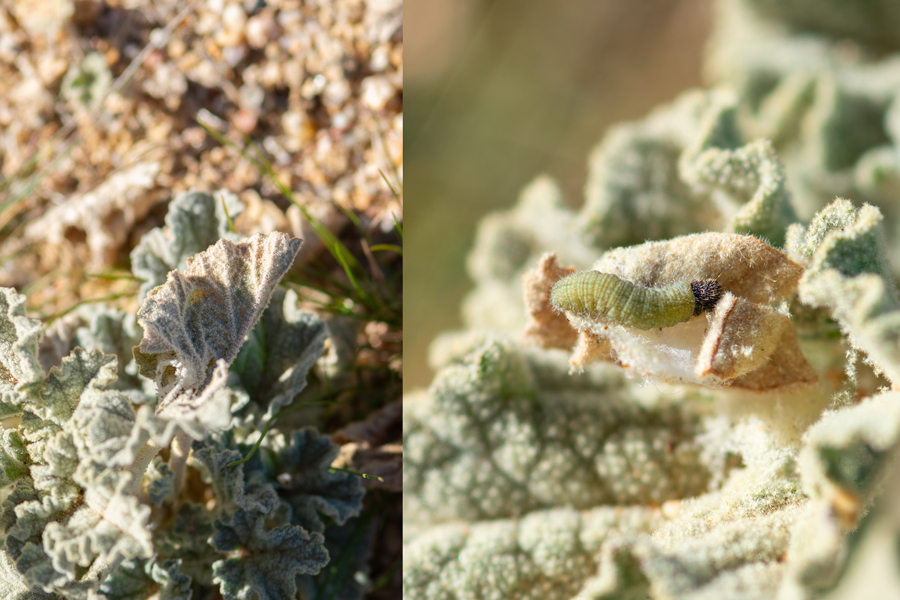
(387, 248)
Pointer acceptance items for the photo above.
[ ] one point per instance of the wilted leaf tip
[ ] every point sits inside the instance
(202, 315)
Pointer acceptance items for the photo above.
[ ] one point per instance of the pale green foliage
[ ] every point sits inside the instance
(350, 548)
(160, 481)
(99, 327)
(494, 438)
(547, 554)
(272, 558)
(134, 577)
(872, 552)
(847, 451)
(503, 431)
(509, 243)
(752, 180)
(19, 338)
(195, 221)
(684, 169)
(844, 464)
(88, 499)
(828, 103)
(847, 272)
(726, 544)
(74, 428)
(13, 584)
(272, 364)
(314, 492)
(777, 497)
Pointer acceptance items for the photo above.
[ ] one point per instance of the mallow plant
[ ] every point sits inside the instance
(137, 461)
(602, 430)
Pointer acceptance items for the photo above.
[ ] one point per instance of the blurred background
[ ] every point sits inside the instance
(500, 91)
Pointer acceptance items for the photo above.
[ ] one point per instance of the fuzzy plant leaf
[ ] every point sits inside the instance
(871, 553)
(684, 169)
(97, 327)
(13, 457)
(847, 273)
(508, 242)
(61, 392)
(848, 452)
(748, 185)
(20, 367)
(730, 560)
(495, 437)
(83, 377)
(712, 546)
(160, 482)
(829, 113)
(75, 507)
(14, 586)
(196, 416)
(304, 481)
(847, 459)
(316, 494)
(635, 190)
(195, 221)
(228, 482)
(293, 487)
(102, 427)
(554, 551)
(199, 319)
(273, 363)
(137, 579)
(113, 524)
(25, 513)
(269, 560)
(53, 402)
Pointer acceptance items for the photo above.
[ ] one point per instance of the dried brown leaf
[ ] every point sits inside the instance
(742, 264)
(546, 326)
(380, 427)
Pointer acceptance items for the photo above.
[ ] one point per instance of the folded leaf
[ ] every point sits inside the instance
(203, 315)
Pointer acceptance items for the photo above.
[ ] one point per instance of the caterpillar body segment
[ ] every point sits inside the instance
(604, 295)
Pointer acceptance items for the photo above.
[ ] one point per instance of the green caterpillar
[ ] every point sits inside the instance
(604, 295)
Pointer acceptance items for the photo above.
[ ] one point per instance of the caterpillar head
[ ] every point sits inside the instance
(707, 293)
